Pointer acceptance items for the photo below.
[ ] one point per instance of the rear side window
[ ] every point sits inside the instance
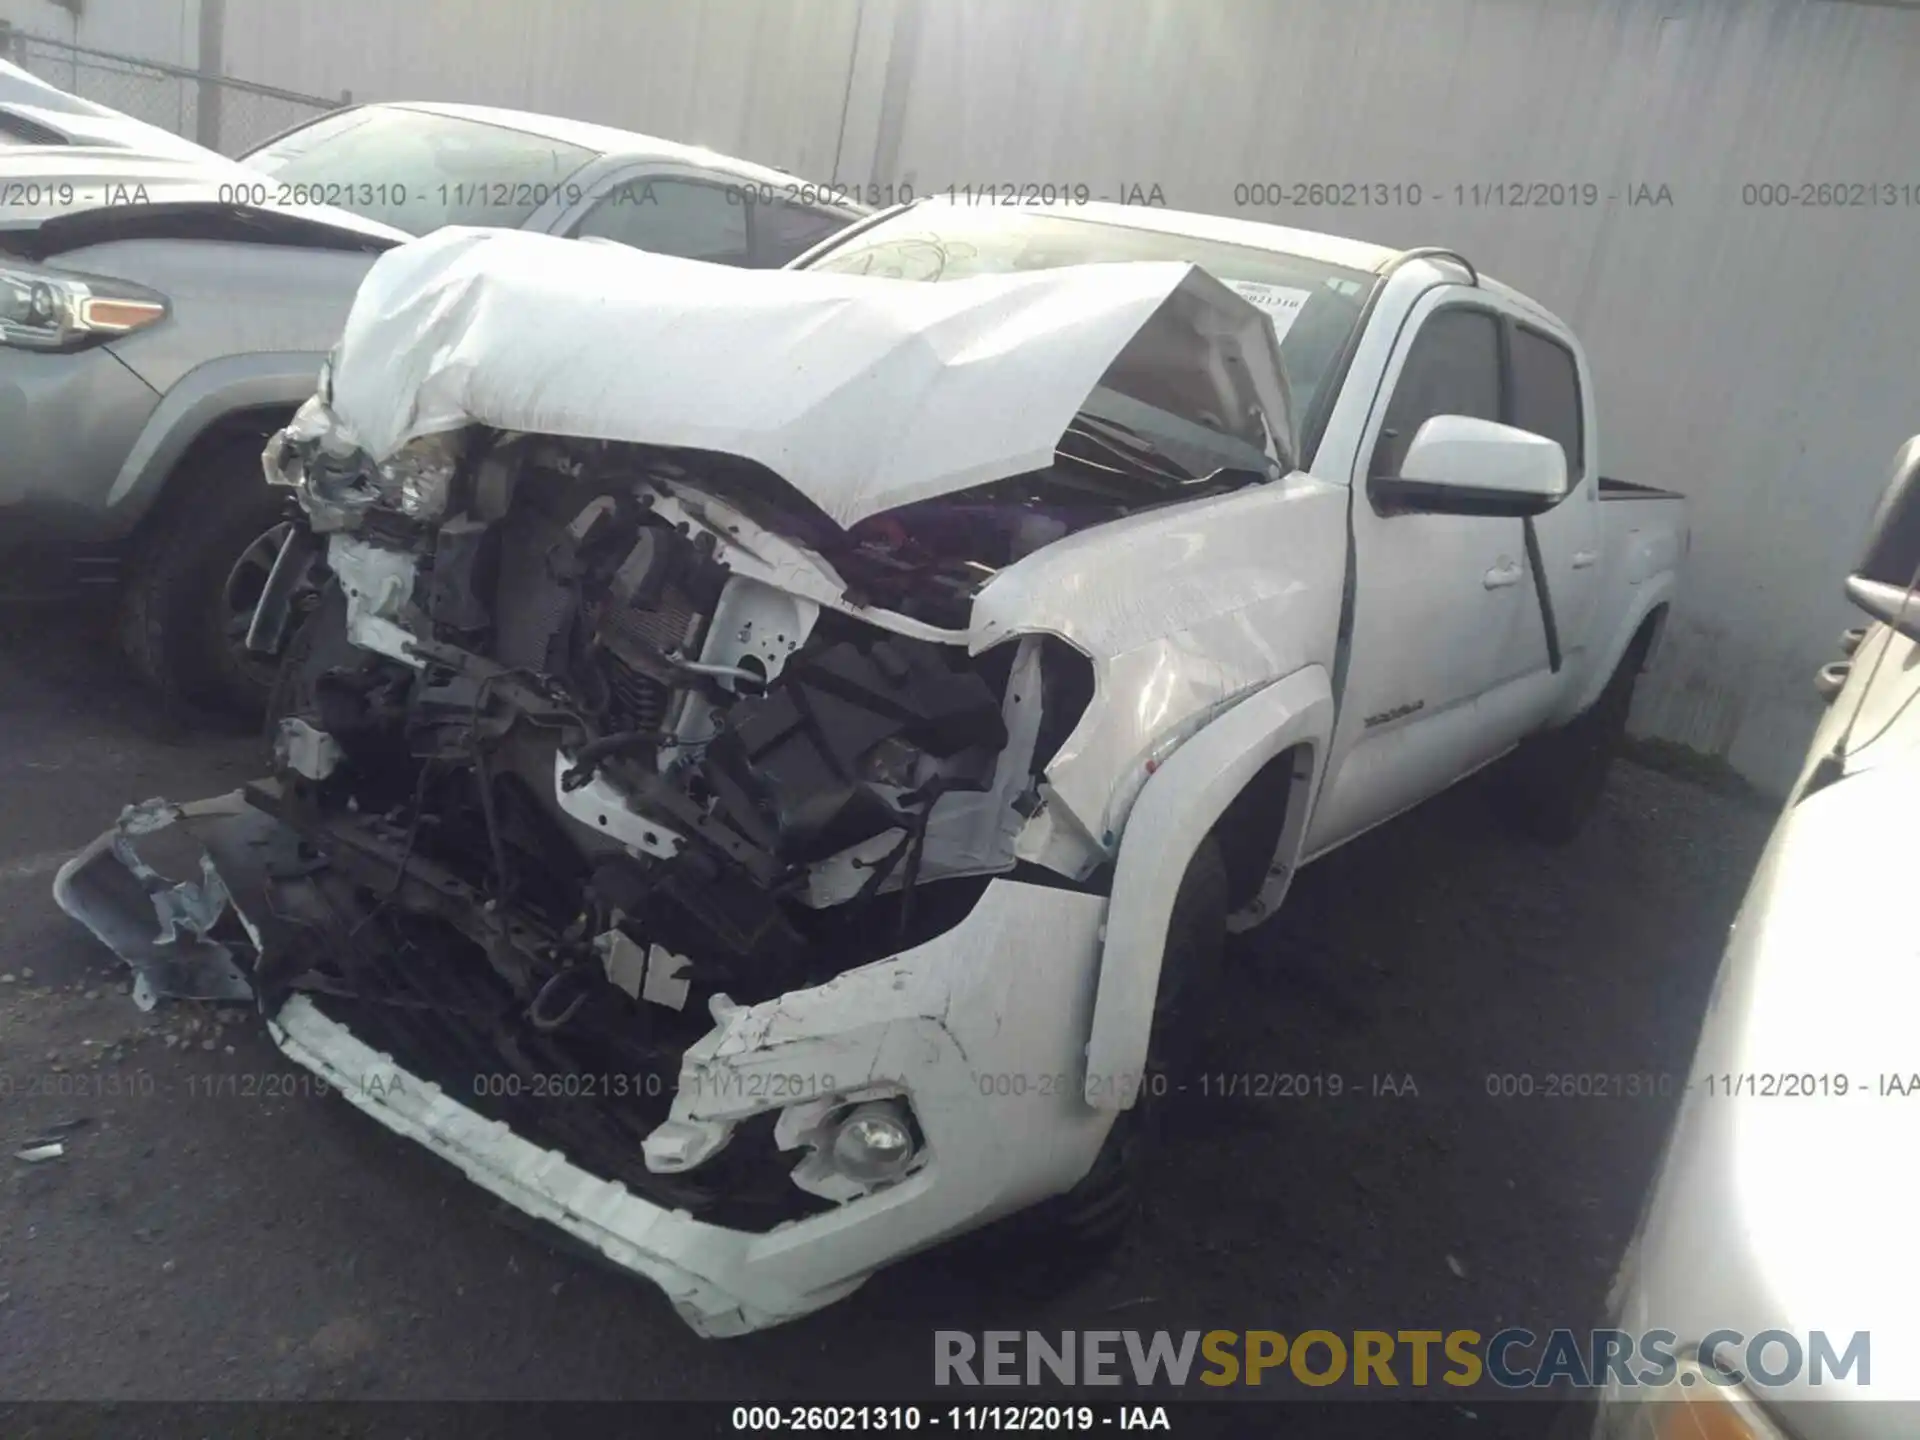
(1546, 396)
(688, 218)
(781, 231)
(1453, 368)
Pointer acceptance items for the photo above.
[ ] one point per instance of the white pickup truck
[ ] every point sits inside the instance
(778, 755)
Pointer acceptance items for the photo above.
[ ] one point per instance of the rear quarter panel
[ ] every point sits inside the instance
(1645, 537)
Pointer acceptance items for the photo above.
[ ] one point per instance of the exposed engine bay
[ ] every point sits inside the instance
(701, 765)
(572, 777)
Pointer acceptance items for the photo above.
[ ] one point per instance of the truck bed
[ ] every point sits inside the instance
(1612, 489)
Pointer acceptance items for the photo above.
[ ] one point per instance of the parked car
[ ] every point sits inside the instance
(809, 734)
(1780, 1202)
(418, 167)
(152, 332)
(165, 310)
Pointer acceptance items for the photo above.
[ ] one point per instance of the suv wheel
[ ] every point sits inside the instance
(195, 575)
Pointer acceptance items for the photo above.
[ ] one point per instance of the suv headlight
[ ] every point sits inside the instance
(44, 309)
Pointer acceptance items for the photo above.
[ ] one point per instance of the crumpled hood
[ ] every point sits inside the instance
(862, 393)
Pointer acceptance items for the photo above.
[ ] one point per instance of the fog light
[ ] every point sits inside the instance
(873, 1143)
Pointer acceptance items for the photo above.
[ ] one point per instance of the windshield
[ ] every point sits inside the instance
(1314, 306)
(418, 171)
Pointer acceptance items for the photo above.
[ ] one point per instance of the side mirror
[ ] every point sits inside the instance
(1458, 465)
(1879, 584)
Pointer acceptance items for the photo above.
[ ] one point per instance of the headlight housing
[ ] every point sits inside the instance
(320, 458)
(42, 309)
(418, 477)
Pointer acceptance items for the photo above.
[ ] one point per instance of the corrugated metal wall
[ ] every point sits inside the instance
(765, 80)
(165, 30)
(1758, 357)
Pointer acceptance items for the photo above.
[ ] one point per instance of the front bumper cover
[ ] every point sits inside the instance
(982, 1035)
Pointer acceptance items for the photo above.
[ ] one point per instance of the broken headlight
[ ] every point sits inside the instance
(417, 479)
(318, 456)
(285, 458)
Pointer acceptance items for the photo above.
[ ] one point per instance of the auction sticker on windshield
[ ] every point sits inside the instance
(1281, 302)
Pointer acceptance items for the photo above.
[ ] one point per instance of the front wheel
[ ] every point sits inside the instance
(193, 581)
(1100, 1208)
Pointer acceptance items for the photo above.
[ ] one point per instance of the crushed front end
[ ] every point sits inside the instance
(672, 904)
(700, 833)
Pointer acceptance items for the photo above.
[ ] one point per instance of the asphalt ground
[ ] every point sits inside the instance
(217, 1231)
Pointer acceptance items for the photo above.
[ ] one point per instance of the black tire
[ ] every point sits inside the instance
(318, 644)
(194, 573)
(1549, 788)
(1102, 1206)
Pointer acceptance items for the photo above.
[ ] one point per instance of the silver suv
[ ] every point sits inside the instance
(164, 310)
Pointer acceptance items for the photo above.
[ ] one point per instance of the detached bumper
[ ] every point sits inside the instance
(981, 1032)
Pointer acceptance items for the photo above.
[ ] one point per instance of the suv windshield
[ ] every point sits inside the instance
(1314, 306)
(418, 171)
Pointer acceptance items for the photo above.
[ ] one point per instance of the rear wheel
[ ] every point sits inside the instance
(195, 576)
(1100, 1208)
(1549, 788)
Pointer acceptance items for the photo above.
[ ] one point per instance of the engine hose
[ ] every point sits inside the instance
(558, 980)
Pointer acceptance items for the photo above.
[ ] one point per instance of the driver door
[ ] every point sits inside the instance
(1437, 599)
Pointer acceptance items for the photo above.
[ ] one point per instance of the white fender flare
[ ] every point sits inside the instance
(1176, 809)
(1647, 598)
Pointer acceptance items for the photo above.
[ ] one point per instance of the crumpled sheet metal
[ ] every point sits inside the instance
(862, 393)
(163, 929)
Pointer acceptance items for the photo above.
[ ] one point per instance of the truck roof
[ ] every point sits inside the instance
(1259, 234)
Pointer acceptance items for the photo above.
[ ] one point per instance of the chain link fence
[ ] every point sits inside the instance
(222, 113)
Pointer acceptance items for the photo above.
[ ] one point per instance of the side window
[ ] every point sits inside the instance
(1546, 395)
(782, 231)
(688, 218)
(1453, 368)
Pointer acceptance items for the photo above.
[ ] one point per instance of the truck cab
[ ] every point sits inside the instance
(1469, 621)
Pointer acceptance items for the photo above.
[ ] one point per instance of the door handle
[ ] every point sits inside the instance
(1583, 558)
(1502, 575)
